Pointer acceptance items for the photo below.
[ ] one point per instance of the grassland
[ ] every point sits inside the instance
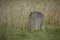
(13, 33)
(16, 13)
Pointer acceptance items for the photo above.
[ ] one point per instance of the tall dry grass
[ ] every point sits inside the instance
(16, 12)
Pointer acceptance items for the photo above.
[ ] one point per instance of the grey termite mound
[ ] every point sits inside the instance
(36, 20)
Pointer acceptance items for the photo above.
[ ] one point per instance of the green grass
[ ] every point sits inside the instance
(14, 33)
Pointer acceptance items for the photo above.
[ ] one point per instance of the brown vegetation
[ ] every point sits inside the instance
(16, 12)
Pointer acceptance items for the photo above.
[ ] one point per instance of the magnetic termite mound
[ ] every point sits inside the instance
(36, 20)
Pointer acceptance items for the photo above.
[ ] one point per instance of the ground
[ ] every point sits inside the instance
(50, 33)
